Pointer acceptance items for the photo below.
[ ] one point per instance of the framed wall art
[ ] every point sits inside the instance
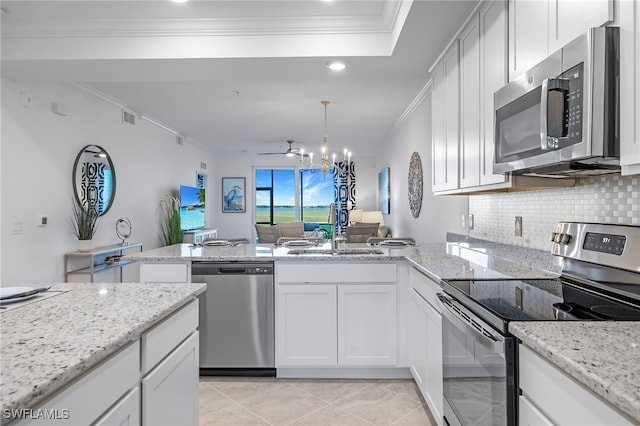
(233, 195)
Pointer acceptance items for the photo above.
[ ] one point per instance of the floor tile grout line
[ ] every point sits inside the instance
(308, 414)
(351, 414)
(420, 407)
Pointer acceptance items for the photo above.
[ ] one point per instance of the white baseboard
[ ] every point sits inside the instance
(344, 373)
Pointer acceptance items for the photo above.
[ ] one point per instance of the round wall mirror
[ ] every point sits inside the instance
(94, 179)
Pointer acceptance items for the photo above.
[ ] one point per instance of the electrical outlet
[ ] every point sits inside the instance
(470, 221)
(518, 226)
(463, 221)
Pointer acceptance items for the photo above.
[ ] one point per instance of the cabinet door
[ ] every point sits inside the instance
(170, 391)
(469, 166)
(125, 413)
(306, 325)
(445, 121)
(434, 361)
(528, 34)
(529, 415)
(417, 339)
(367, 324)
(493, 75)
(154, 272)
(569, 19)
(629, 13)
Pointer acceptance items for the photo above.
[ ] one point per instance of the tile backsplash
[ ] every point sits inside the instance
(603, 199)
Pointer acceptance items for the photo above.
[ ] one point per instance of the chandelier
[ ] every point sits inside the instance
(325, 166)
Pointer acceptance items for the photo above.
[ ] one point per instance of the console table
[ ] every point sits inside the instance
(97, 259)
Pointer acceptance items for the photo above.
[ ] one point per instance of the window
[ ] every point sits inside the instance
(281, 197)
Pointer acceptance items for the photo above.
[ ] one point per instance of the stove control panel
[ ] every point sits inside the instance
(617, 246)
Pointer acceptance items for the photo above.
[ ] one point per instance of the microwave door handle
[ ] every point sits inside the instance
(544, 107)
(495, 346)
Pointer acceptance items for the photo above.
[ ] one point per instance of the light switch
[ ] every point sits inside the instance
(41, 220)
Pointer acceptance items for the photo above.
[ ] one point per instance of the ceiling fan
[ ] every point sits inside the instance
(290, 152)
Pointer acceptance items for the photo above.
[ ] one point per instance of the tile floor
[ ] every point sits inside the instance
(265, 401)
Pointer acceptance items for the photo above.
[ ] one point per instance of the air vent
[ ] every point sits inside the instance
(179, 140)
(128, 117)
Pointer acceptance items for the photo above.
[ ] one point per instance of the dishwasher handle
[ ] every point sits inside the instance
(212, 268)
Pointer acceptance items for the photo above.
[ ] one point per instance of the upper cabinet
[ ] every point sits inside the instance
(538, 28)
(629, 22)
(528, 34)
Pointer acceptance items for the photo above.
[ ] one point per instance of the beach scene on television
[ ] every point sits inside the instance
(192, 207)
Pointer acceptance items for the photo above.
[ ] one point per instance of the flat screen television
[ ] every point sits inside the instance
(192, 208)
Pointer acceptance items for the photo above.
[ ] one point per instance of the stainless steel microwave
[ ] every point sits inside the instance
(562, 116)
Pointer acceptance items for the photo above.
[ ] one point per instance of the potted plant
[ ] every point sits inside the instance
(84, 223)
(171, 232)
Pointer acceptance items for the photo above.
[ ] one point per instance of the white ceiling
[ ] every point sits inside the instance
(239, 75)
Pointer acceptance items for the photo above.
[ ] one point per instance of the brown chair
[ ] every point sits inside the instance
(290, 229)
(267, 233)
(359, 233)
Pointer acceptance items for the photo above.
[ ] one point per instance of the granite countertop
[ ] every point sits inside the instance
(438, 260)
(50, 342)
(603, 356)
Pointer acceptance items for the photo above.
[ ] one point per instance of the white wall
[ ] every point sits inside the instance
(38, 152)
(438, 215)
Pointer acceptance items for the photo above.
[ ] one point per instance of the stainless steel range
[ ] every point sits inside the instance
(600, 281)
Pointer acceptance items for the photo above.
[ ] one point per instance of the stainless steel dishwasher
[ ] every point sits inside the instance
(236, 318)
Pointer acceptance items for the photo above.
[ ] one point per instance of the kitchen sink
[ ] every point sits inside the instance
(337, 252)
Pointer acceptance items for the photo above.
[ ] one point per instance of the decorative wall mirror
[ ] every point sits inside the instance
(94, 179)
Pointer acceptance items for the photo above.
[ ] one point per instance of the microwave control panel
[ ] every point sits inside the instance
(573, 103)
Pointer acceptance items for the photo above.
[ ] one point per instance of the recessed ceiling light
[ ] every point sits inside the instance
(179, 1)
(336, 66)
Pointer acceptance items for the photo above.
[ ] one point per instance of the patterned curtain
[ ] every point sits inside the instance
(344, 184)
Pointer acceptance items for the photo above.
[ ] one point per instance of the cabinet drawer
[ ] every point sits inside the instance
(110, 380)
(324, 272)
(164, 273)
(163, 338)
(560, 397)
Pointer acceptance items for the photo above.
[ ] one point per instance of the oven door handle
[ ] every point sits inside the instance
(494, 345)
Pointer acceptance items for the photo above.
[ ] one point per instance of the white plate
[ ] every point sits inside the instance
(15, 294)
(298, 243)
(394, 243)
(216, 243)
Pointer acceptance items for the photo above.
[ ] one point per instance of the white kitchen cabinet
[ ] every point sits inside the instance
(170, 390)
(445, 121)
(151, 381)
(555, 397)
(367, 324)
(329, 315)
(539, 28)
(493, 76)
(629, 22)
(569, 19)
(160, 272)
(126, 412)
(528, 34)
(306, 325)
(425, 340)
(469, 166)
(529, 415)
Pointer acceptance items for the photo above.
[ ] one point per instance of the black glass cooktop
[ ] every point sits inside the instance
(542, 300)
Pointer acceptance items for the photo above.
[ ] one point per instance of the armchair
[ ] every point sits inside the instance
(370, 216)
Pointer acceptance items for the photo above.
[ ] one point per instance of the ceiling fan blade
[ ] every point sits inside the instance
(271, 153)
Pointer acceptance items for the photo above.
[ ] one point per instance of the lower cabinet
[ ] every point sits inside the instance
(170, 390)
(331, 325)
(152, 381)
(425, 340)
(550, 397)
(339, 321)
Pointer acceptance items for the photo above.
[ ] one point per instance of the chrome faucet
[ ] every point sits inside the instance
(332, 222)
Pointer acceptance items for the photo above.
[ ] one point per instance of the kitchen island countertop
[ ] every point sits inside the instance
(49, 343)
(603, 356)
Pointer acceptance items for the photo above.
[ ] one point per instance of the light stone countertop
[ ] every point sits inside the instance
(438, 260)
(50, 342)
(603, 356)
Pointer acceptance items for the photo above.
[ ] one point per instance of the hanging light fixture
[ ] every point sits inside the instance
(325, 165)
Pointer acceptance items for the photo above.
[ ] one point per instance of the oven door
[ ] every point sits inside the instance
(479, 369)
